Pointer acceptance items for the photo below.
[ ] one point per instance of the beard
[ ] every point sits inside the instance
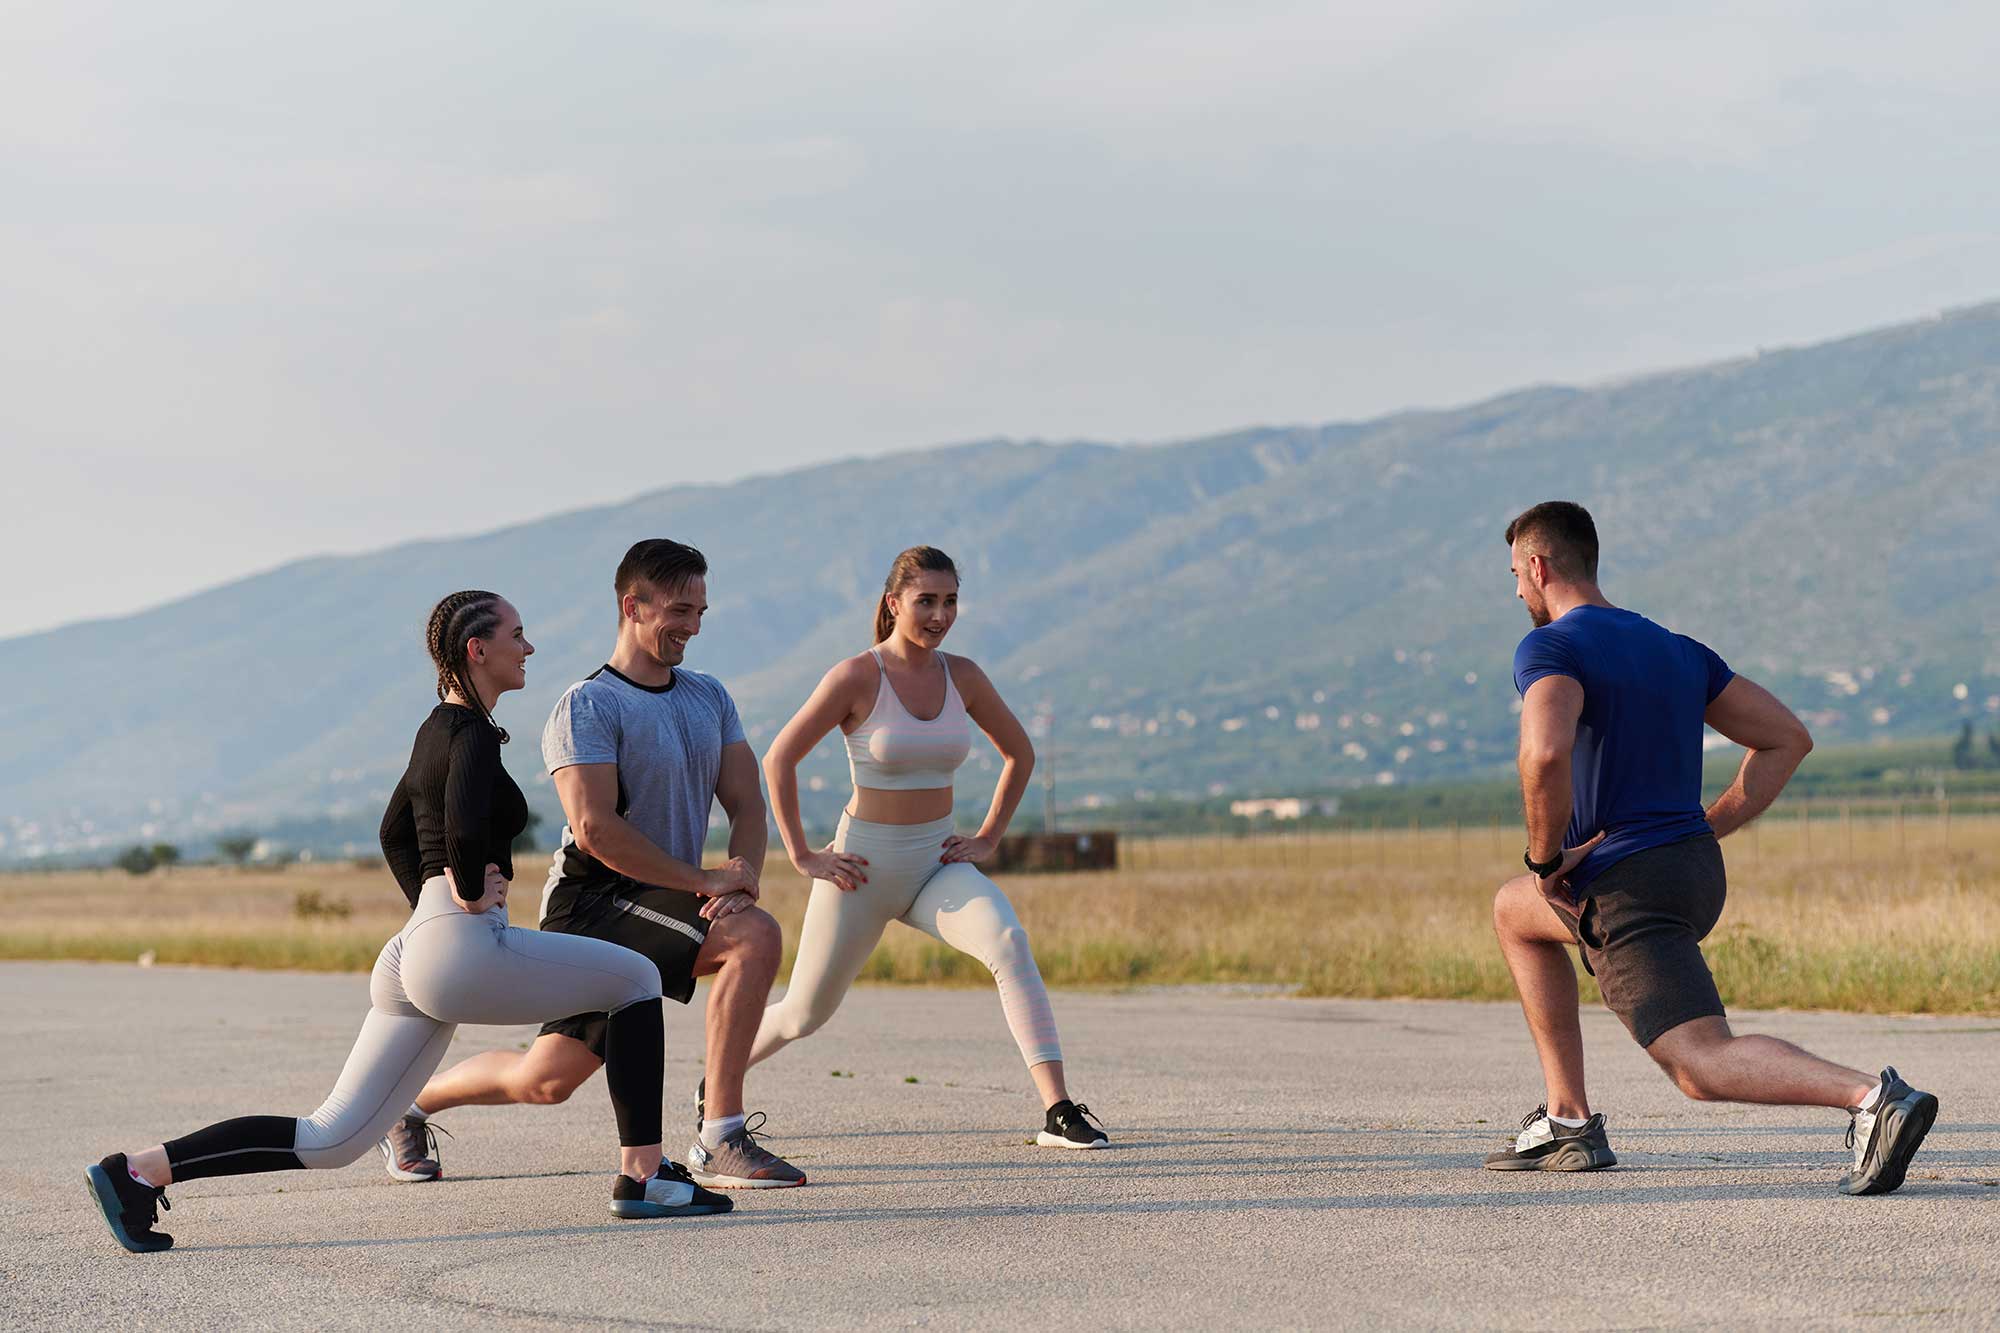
(1538, 611)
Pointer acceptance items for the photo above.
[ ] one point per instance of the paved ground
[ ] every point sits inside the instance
(1279, 1163)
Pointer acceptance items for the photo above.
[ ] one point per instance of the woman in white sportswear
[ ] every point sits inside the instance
(907, 711)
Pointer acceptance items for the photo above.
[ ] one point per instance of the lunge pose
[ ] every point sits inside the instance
(446, 835)
(1611, 725)
(640, 751)
(907, 710)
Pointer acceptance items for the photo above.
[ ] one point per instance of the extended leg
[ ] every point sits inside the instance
(1710, 1063)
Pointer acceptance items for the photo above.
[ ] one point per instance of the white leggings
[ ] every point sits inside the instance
(443, 968)
(954, 904)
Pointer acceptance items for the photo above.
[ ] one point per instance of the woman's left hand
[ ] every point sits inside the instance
(958, 848)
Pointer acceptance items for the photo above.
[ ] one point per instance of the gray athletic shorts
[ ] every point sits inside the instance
(1640, 930)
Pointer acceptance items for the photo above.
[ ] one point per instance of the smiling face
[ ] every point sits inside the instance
(1531, 578)
(925, 607)
(499, 662)
(662, 620)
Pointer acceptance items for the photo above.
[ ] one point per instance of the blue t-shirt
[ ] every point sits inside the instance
(1636, 768)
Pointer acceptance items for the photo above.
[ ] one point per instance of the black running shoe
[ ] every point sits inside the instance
(129, 1207)
(1887, 1136)
(1066, 1126)
(670, 1193)
(1543, 1145)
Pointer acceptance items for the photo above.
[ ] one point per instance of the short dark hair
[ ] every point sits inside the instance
(658, 562)
(1562, 533)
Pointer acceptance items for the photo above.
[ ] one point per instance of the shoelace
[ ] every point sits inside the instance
(1539, 1113)
(1078, 1113)
(431, 1151)
(672, 1170)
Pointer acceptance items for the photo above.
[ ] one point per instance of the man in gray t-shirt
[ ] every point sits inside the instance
(640, 752)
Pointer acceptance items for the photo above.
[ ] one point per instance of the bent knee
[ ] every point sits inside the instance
(1010, 948)
(792, 1023)
(753, 931)
(546, 1090)
(1689, 1078)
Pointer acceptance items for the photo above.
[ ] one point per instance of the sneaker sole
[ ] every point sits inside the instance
(1044, 1139)
(398, 1173)
(105, 1195)
(1905, 1133)
(708, 1181)
(1574, 1157)
(638, 1209)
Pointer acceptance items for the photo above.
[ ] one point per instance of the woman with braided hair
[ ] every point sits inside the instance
(447, 836)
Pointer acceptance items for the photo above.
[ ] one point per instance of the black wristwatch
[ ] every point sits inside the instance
(1542, 869)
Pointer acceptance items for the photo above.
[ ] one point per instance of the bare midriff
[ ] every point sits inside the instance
(874, 806)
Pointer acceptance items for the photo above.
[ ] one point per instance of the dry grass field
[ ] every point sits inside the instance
(1878, 914)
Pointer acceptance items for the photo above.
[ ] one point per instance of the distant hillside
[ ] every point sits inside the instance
(1273, 609)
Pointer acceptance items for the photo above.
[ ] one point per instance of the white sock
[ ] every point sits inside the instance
(418, 1112)
(713, 1132)
(1567, 1123)
(1874, 1095)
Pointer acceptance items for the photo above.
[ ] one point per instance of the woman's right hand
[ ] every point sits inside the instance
(495, 894)
(843, 870)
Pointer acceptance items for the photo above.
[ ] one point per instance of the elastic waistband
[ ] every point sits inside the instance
(927, 834)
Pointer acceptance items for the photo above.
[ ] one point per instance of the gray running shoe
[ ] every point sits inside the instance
(1543, 1145)
(1886, 1137)
(409, 1150)
(739, 1162)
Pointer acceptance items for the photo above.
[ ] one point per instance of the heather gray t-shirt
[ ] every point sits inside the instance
(667, 742)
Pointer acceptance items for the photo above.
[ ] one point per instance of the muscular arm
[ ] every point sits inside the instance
(589, 794)
(985, 706)
(742, 798)
(830, 704)
(1777, 742)
(1549, 713)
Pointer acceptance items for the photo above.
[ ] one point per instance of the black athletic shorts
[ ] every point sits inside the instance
(663, 924)
(1640, 930)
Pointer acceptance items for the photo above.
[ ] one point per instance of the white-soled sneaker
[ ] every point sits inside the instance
(409, 1150)
(739, 1162)
(1068, 1126)
(670, 1193)
(1887, 1135)
(1543, 1145)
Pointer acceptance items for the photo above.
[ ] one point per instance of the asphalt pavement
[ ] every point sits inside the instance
(1277, 1162)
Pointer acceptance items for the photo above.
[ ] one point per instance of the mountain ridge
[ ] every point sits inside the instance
(1222, 612)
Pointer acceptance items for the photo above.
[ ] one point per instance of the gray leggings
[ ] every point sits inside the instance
(447, 967)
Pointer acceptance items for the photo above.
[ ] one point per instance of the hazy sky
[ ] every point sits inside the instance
(286, 279)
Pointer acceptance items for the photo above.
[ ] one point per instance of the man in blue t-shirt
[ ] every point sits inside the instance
(1623, 862)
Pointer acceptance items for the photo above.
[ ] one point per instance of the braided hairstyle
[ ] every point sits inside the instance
(471, 614)
(903, 572)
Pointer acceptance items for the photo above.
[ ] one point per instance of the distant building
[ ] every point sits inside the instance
(1285, 807)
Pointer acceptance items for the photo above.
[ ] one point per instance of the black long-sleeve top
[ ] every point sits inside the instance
(456, 806)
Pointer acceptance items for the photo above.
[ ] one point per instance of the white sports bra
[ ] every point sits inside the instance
(894, 750)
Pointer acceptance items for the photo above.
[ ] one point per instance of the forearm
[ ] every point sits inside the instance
(1007, 794)
(1546, 803)
(783, 780)
(749, 833)
(632, 854)
(1761, 777)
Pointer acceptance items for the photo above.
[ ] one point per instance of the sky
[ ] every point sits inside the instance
(286, 280)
